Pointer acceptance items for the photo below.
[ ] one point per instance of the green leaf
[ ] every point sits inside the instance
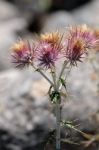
(69, 124)
(63, 82)
(55, 97)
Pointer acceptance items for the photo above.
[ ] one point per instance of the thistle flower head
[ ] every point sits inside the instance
(22, 54)
(80, 39)
(84, 33)
(54, 38)
(47, 54)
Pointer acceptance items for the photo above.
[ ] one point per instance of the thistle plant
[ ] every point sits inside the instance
(45, 55)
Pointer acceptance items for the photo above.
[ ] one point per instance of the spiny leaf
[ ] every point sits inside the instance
(63, 82)
(69, 141)
(69, 124)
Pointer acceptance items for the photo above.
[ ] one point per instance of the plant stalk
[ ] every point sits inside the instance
(38, 70)
(58, 113)
(44, 76)
(62, 71)
(58, 128)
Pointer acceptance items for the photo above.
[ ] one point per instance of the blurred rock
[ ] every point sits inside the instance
(83, 92)
(10, 24)
(7, 11)
(58, 20)
(24, 112)
(87, 14)
(24, 106)
(22, 101)
(9, 31)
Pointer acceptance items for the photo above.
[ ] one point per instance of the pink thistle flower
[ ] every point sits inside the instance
(79, 41)
(47, 55)
(22, 54)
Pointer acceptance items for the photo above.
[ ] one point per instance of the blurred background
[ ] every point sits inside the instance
(26, 115)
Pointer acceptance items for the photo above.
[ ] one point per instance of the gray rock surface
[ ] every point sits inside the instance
(84, 99)
(22, 102)
(24, 109)
(57, 21)
(7, 11)
(88, 14)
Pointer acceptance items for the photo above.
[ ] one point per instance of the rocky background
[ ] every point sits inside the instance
(26, 115)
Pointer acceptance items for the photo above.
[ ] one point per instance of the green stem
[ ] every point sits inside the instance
(58, 127)
(61, 73)
(44, 76)
(54, 78)
(58, 121)
(58, 112)
(41, 72)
